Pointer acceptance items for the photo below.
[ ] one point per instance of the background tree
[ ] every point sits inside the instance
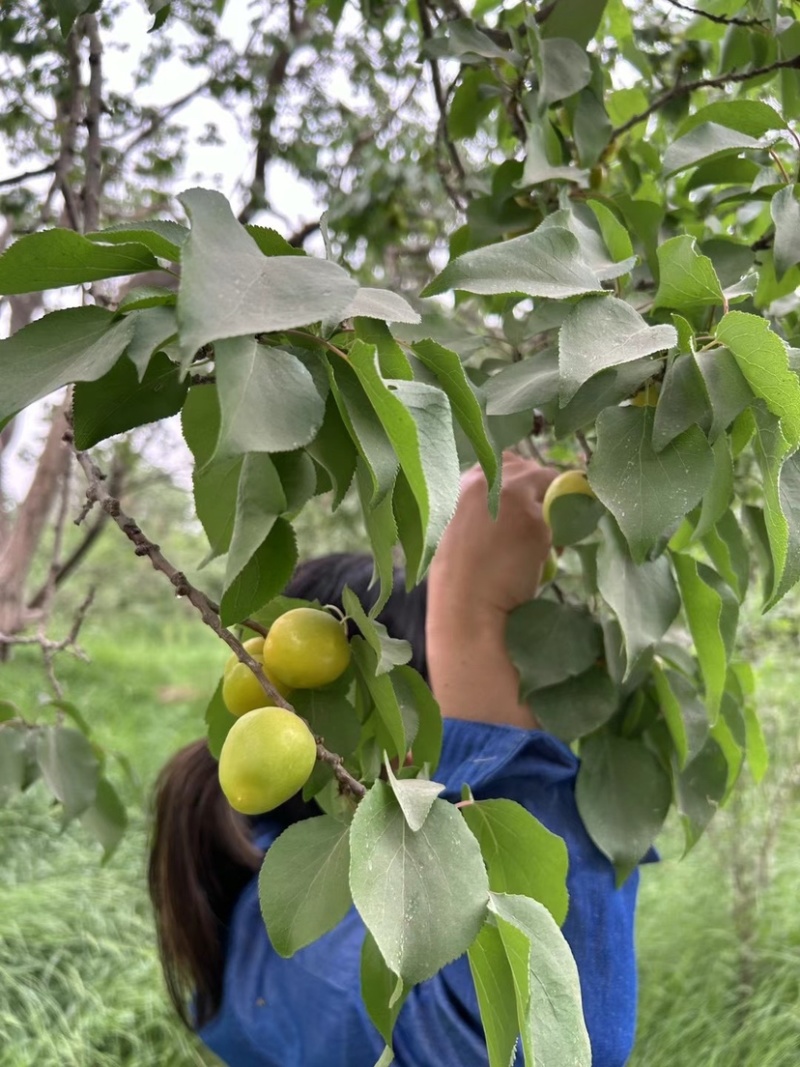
(618, 185)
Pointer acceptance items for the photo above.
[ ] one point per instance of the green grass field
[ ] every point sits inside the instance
(79, 978)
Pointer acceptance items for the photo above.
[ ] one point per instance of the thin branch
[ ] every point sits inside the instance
(17, 178)
(722, 20)
(96, 492)
(94, 107)
(682, 89)
(298, 238)
(441, 103)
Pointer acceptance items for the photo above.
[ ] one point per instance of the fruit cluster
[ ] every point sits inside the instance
(269, 752)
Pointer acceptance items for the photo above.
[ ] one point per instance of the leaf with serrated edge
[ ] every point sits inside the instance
(546, 264)
(51, 259)
(603, 332)
(647, 492)
(687, 279)
(643, 597)
(382, 304)
(494, 987)
(703, 607)
(229, 288)
(422, 895)
(303, 886)
(764, 361)
(414, 795)
(73, 345)
(391, 651)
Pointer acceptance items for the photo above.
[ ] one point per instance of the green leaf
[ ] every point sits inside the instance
(334, 451)
(591, 128)
(414, 795)
(382, 533)
(449, 372)
(380, 689)
(685, 715)
(682, 402)
(752, 117)
(381, 304)
(271, 243)
(546, 264)
(604, 332)
(69, 768)
(215, 496)
(578, 20)
(726, 386)
(780, 476)
(573, 517)
(757, 751)
(379, 990)
(699, 790)
(549, 642)
(364, 427)
(494, 986)
(763, 360)
(647, 492)
(163, 237)
(230, 289)
(687, 279)
(68, 11)
(623, 795)
(298, 474)
(263, 576)
(331, 716)
(616, 237)
(152, 328)
(546, 983)
(728, 551)
(565, 69)
(707, 141)
(418, 422)
(106, 818)
(720, 491)
(391, 651)
(583, 223)
(521, 855)
(414, 698)
(785, 212)
(218, 720)
(74, 345)
(13, 761)
(643, 597)
(303, 886)
(119, 401)
(268, 399)
(704, 613)
(51, 259)
(260, 501)
(576, 706)
(421, 895)
(525, 385)
(392, 360)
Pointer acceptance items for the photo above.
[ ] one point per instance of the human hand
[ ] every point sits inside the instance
(483, 569)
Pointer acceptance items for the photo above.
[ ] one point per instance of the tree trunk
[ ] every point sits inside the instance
(19, 550)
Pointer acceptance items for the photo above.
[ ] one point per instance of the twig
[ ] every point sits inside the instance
(441, 103)
(17, 178)
(298, 238)
(94, 107)
(587, 450)
(723, 20)
(96, 492)
(681, 89)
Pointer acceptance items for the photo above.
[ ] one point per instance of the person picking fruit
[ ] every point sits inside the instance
(254, 1008)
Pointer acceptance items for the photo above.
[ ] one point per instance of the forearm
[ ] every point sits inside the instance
(470, 670)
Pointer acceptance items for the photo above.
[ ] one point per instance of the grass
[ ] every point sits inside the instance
(79, 977)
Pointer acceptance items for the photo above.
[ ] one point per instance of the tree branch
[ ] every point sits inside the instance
(441, 103)
(702, 83)
(17, 178)
(722, 20)
(96, 492)
(69, 117)
(94, 107)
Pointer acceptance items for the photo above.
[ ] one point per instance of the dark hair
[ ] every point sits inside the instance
(201, 851)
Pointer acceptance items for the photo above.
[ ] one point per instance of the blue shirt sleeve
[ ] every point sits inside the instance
(307, 1011)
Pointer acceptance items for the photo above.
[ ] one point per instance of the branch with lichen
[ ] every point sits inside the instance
(97, 494)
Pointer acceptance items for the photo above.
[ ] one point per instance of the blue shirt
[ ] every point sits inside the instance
(307, 1011)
